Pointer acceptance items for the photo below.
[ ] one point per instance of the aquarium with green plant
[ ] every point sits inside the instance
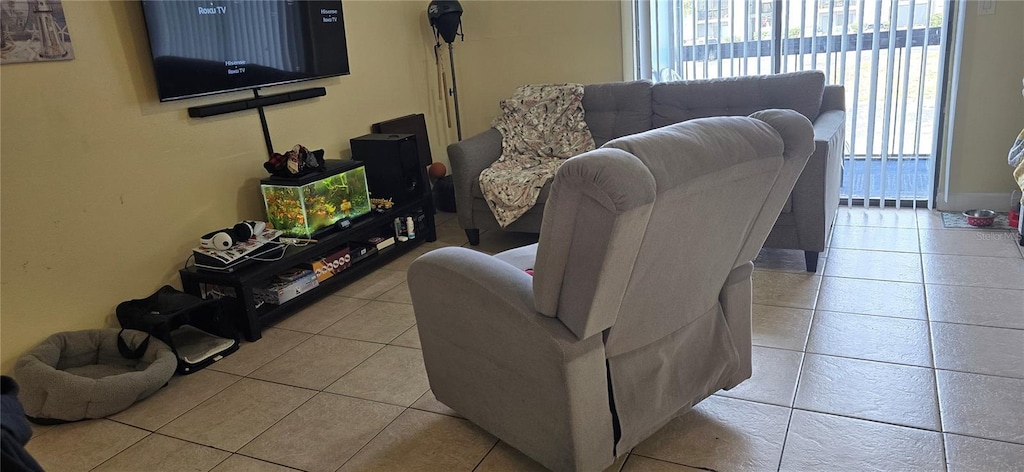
(313, 204)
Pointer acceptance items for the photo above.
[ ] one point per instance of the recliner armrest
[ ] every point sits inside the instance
(521, 376)
(477, 300)
(468, 158)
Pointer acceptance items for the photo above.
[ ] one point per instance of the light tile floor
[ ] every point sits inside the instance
(904, 352)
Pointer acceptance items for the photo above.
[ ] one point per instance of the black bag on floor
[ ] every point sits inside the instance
(194, 328)
(444, 194)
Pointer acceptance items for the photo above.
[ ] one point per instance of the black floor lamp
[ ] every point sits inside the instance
(446, 19)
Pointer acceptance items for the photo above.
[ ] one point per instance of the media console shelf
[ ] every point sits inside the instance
(252, 318)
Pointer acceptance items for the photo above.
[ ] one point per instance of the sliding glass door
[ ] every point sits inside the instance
(889, 54)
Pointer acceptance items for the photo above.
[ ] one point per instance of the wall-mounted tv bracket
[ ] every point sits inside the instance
(258, 103)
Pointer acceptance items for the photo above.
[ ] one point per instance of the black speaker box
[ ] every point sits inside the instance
(413, 124)
(393, 167)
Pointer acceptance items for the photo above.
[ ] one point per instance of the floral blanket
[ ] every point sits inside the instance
(541, 126)
(1016, 160)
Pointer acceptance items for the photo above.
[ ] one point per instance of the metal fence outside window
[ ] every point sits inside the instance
(889, 54)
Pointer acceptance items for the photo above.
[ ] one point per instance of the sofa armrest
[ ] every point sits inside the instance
(829, 125)
(468, 158)
(833, 98)
(522, 376)
(831, 128)
(816, 195)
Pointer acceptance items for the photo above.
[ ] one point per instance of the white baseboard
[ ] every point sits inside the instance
(968, 201)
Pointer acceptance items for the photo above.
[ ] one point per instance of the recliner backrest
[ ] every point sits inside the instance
(593, 224)
(713, 176)
(712, 179)
(672, 344)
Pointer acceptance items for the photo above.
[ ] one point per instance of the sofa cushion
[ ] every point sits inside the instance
(617, 109)
(673, 102)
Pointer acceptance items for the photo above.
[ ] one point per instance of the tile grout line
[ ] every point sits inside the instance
(877, 422)
(386, 343)
(221, 462)
(261, 433)
(197, 405)
(277, 323)
(367, 443)
(977, 286)
(258, 459)
(919, 283)
(638, 454)
(382, 346)
(912, 319)
(404, 408)
(148, 434)
(838, 356)
(154, 433)
(489, 451)
(796, 389)
(246, 375)
(1002, 441)
(935, 370)
(800, 369)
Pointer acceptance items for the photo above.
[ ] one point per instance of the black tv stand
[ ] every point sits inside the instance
(251, 317)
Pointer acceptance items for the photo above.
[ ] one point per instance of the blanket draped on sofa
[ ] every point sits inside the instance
(1016, 160)
(541, 126)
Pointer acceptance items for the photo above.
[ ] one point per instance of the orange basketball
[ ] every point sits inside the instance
(437, 170)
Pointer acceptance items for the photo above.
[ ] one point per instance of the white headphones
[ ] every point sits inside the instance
(223, 239)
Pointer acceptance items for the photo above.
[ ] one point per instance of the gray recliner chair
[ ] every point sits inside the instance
(640, 305)
(619, 109)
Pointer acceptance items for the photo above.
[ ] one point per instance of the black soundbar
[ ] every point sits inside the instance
(249, 104)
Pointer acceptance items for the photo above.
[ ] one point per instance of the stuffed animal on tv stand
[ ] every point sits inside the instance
(295, 163)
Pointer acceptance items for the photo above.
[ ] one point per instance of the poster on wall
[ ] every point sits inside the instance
(33, 31)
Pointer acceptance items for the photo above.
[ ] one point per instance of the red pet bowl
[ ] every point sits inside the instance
(980, 217)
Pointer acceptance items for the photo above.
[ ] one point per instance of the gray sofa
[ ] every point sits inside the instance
(638, 308)
(618, 109)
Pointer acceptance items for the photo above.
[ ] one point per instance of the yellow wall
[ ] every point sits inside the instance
(990, 108)
(509, 44)
(105, 190)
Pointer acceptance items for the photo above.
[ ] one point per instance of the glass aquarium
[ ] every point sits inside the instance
(304, 206)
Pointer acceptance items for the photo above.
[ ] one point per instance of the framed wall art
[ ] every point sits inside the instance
(33, 31)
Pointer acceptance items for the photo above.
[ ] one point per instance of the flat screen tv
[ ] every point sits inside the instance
(208, 47)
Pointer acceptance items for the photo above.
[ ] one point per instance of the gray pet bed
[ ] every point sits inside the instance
(81, 374)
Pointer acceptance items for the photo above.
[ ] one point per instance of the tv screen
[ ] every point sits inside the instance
(202, 48)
